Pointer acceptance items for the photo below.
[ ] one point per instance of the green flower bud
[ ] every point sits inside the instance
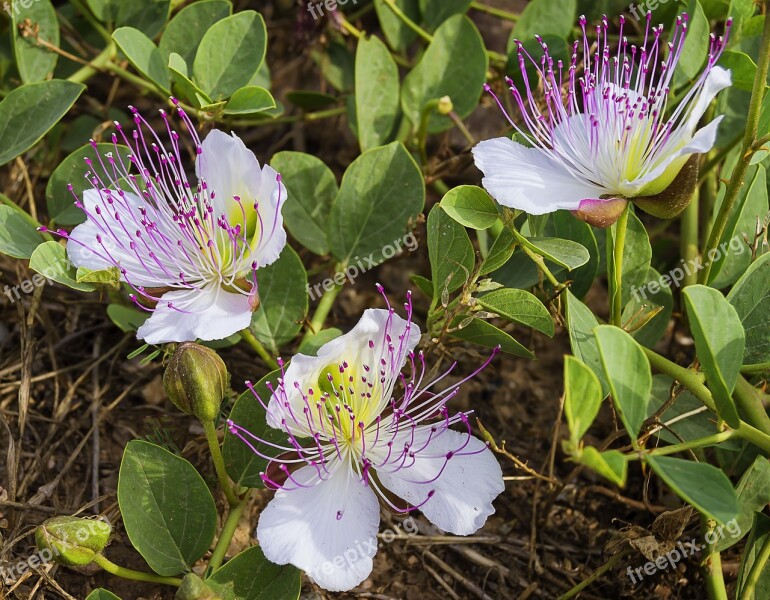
(196, 380)
(676, 197)
(445, 105)
(73, 541)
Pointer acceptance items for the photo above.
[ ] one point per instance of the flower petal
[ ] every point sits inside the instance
(528, 179)
(353, 347)
(462, 492)
(329, 530)
(117, 247)
(209, 313)
(717, 80)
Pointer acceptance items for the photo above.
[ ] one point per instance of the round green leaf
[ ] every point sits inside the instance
(485, 334)
(435, 12)
(541, 17)
(231, 51)
(450, 251)
(250, 576)
(148, 16)
(582, 397)
(381, 192)
(184, 32)
(29, 111)
(398, 34)
(470, 206)
(249, 100)
(35, 62)
(311, 188)
(144, 55)
(283, 300)
(167, 509)
(519, 306)
(751, 298)
(18, 236)
(50, 260)
(377, 89)
(454, 65)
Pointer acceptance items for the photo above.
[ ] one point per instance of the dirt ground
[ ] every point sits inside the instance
(70, 400)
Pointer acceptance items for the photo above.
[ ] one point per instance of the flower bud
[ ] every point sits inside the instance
(676, 197)
(196, 380)
(73, 541)
(600, 212)
(445, 105)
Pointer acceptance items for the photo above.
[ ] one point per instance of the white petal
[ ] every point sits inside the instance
(717, 80)
(328, 530)
(210, 313)
(271, 235)
(527, 179)
(464, 490)
(116, 248)
(352, 347)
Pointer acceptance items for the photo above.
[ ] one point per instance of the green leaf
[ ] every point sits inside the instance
(127, 319)
(283, 300)
(455, 65)
(628, 373)
(184, 32)
(565, 253)
(382, 191)
(541, 17)
(751, 299)
(29, 111)
(231, 51)
(250, 576)
(435, 12)
(185, 86)
(50, 260)
(398, 34)
(101, 594)
(485, 334)
(311, 190)
(242, 464)
(104, 10)
(760, 536)
(502, 249)
(581, 324)
(519, 306)
(719, 342)
(696, 44)
(582, 397)
(641, 306)
(637, 255)
(470, 206)
(18, 237)
(148, 16)
(423, 284)
(450, 251)
(167, 509)
(612, 465)
(702, 485)
(35, 62)
(311, 345)
(249, 100)
(72, 170)
(564, 225)
(753, 492)
(377, 93)
(144, 55)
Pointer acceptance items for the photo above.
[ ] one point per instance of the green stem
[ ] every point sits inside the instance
(324, 308)
(303, 118)
(756, 369)
(88, 16)
(616, 289)
(529, 249)
(748, 400)
(747, 593)
(135, 79)
(502, 14)
(226, 535)
(111, 567)
(749, 137)
(257, 346)
(219, 463)
(689, 239)
(712, 565)
(95, 66)
(709, 440)
(408, 22)
(593, 577)
(422, 132)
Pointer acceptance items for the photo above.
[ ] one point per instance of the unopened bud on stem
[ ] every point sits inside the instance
(196, 380)
(73, 541)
